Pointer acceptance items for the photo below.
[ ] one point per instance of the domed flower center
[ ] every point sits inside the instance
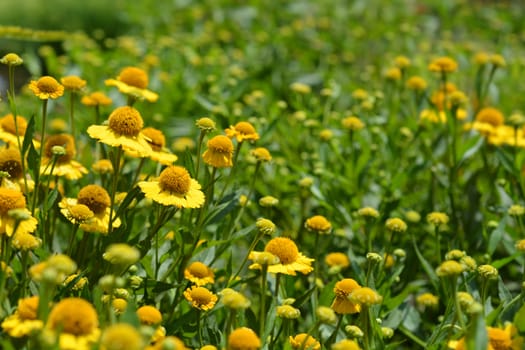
(158, 141)
(284, 248)
(47, 84)
(220, 144)
(8, 124)
(74, 316)
(64, 140)
(318, 223)
(175, 179)
(134, 76)
(198, 269)
(149, 315)
(27, 308)
(10, 162)
(490, 116)
(245, 128)
(344, 287)
(10, 199)
(126, 121)
(80, 212)
(201, 295)
(499, 339)
(73, 82)
(95, 198)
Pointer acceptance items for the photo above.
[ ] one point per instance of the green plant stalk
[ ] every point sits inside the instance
(39, 162)
(72, 113)
(116, 174)
(262, 305)
(333, 336)
(256, 240)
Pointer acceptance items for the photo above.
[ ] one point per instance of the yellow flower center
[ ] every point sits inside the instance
(201, 295)
(121, 336)
(158, 140)
(175, 179)
(27, 308)
(366, 296)
(243, 339)
(47, 84)
(499, 339)
(198, 269)
(73, 82)
(63, 140)
(80, 212)
(10, 199)
(344, 287)
(318, 223)
(220, 144)
(245, 128)
(134, 76)
(10, 162)
(126, 121)
(284, 248)
(73, 315)
(490, 116)
(337, 259)
(149, 315)
(96, 99)
(8, 124)
(95, 198)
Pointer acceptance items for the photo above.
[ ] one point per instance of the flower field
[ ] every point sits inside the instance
(244, 175)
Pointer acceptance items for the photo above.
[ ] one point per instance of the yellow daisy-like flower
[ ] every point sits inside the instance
(96, 99)
(121, 336)
(243, 339)
(352, 123)
(261, 154)
(24, 321)
(487, 120)
(416, 83)
(499, 339)
(14, 201)
(46, 87)
(290, 259)
(396, 225)
(200, 298)
(242, 131)
(8, 130)
(337, 259)
(11, 59)
(342, 304)
(437, 218)
(98, 201)
(157, 142)
(77, 321)
(174, 187)
(149, 315)
(25, 241)
(133, 81)
(124, 129)
(73, 83)
(443, 65)
(102, 166)
(304, 341)
(11, 163)
(199, 274)
(219, 153)
(64, 165)
(318, 223)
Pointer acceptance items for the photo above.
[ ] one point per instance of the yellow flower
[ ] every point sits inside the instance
(393, 73)
(416, 83)
(368, 212)
(102, 166)
(133, 81)
(488, 271)
(437, 218)
(79, 282)
(427, 300)
(97, 199)
(12, 59)
(354, 331)
(11, 163)
(64, 165)
(243, 339)
(288, 312)
(157, 142)
(10, 200)
(265, 226)
(96, 99)
(206, 124)
(337, 259)
(124, 129)
(396, 225)
(73, 83)
(487, 120)
(520, 245)
(325, 314)
(443, 65)
(46, 87)
(346, 344)
(233, 299)
(242, 131)
(24, 321)
(77, 321)
(182, 144)
(149, 315)
(8, 130)
(261, 154)
(121, 254)
(290, 259)
(174, 187)
(365, 296)
(304, 341)
(497, 60)
(342, 304)
(200, 298)
(450, 268)
(199, 274)
(121, 336)
(301, 88)
(219, 152)
(25, 241)
(352, 123)
(318, 223)
(499, 339)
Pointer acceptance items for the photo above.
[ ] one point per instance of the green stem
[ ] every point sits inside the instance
(39, 162)
(72, 112)
(262, 304)
(116, 175)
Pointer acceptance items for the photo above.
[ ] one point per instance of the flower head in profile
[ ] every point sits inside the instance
(342, 304)
(133, 81)
(11, 164)
(498, 339)
(121, 254)
(58, 158)
(437, 218)
(76, 320)
(124, 129)
(337, 259)
(488, 120)
(174, 187)
(24, 321)
(200, 298)
(149, 315)
(304, 341)
(97, 200)
(443, 64)
(242, 131)
(450, 268)
(12, 130)
(13, 202)
(396, 225)
(427, 300)
(96, 99)
(319, 224)
(157, 142)
(46, 87)
(199, 274)
(291, 260)
(11, 59)
(219, 152)
(73, 83)
(365, 296)
(234, 300)
(121, 336)
(243, 339)
(261, 154)
(346, 344)
(352, 123)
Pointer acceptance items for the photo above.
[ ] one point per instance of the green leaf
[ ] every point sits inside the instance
(476, 337)
(519, 319)
(434, 279)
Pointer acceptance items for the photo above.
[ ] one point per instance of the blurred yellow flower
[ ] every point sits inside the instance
(304, 341)
(133, 81)
(242, 131)
(11, 200)
(199, 274)
(61, 164)
(24, 321)
(219, 153)
(243, 339)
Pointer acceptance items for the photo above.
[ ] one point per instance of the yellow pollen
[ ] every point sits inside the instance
(10, 162)
(95, 198)
(175, 179)
(198, 269)
(73, 315)
(10, 199)
(27, 308)
(134, 76)
(126, 121)
(158, 140)
(63, 140)
(8, 124)
(220, 144)
(284, 248)
(47, 84)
